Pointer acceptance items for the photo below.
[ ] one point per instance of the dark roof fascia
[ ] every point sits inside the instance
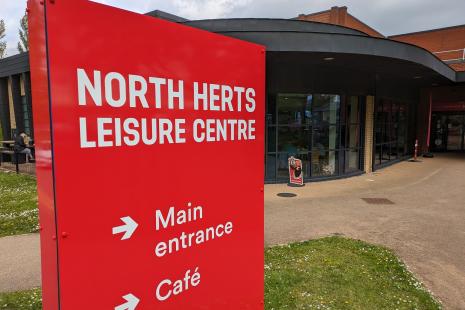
(167, 16)
(461, 76)
(15, 64)
(310, 41)
(285, 20)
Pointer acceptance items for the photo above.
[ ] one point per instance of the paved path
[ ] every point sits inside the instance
(425, 226)
(19, 262)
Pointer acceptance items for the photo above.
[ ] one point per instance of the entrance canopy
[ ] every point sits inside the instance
(329, 43)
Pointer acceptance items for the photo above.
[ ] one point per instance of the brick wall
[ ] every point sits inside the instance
(354, 23)
(458, 66)
(441, 40)
(451, 39)
(339, 16)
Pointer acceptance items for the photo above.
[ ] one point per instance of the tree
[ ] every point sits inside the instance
(2, 42)
(23, 44)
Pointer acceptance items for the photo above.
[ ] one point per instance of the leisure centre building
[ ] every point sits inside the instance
(339, 95)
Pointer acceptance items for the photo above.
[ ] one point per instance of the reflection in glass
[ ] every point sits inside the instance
(293, 140)
(378, 134)
(291, 109)
(308, 126)
(353, 110)
(352, 160)
(324, 162)
(270, 170)
(390, 130)
(455, 130)
(393, 152)
(271, 139)
(325, 108)
(325, 116)
(271, 111)
(326, 137)
(438, 132)
(385, 153)
(378, 154)
(354, 138)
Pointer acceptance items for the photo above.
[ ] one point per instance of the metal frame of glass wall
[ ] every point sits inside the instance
(390, 131)
(325, 131)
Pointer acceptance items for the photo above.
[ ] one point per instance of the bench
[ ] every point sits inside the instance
(15, 158)
(5, 151)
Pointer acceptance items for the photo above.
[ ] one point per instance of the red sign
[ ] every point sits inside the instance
(132, 114)
(448, 106)
(296, 175)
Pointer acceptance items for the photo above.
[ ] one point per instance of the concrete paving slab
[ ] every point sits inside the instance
(19, 262)
(425, 226)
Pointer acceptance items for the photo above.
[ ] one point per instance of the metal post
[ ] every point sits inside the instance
(16, 159)
(415, 155)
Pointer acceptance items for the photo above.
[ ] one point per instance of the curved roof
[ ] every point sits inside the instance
(280, 35)
(14, 64)
(269, 24)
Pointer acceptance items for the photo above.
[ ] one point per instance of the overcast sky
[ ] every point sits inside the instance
(387, 16)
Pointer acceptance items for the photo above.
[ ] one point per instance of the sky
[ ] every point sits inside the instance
(387, 16)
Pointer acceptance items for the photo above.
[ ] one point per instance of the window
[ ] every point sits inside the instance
(352, 137)
(319, 129)
(391, 124)
(325, 110)
(26, 116)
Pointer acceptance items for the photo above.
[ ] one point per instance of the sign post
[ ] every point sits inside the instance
(131, 115)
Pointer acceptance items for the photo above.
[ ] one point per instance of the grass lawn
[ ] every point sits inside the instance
(328, 273)
(26, 300)
(18, 204)
(340, 273)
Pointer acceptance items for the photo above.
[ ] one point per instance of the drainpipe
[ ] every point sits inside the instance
(428, 137)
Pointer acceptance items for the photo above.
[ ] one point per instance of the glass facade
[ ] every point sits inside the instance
(448, 131)
(323, 130)
(391, 124)
(26, 116)
(26, 106)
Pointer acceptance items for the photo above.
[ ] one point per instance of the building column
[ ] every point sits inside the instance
(11, 108)
(4, 109)
(17, 103)
(369, 127)
(27, 93)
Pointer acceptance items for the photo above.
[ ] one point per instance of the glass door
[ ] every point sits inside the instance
(455, 130)
(438, 132)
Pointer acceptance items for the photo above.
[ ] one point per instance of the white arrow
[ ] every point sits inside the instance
(128, 228)
(131, 304)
